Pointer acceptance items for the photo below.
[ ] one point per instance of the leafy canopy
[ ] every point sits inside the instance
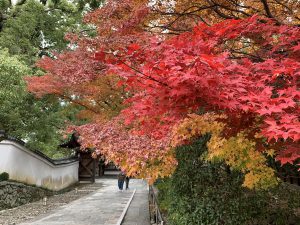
(245, 69)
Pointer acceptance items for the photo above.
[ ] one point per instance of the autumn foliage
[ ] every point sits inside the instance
(186, 14)
(238, 80)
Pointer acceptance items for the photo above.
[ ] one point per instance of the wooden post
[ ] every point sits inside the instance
(94, 171)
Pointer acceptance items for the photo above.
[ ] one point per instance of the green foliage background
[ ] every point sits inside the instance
(202, 193)
(36, 121)
(28, 30)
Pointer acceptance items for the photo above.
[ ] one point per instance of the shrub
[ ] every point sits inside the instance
(4, 176)
(202, 193)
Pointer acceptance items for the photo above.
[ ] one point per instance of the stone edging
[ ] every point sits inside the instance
(125, 209)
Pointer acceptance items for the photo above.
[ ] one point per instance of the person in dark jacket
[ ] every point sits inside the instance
(121, 179)
(127, 182)
(101, 165)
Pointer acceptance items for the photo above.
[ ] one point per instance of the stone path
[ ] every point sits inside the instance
(105, 206)
(32, 210)
(138, 212)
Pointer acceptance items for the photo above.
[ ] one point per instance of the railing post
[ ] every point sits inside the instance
(155, 214)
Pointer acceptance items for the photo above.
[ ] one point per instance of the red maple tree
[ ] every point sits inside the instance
(248, 69)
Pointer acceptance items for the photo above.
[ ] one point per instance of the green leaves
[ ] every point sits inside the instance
(34, 121)
(4, 4)
(33, 29)
(28, 31)
(12, 89)
(209, 194)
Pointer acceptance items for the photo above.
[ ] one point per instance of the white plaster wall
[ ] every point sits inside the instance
(25, 166)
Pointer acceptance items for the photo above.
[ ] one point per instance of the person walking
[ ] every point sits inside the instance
(127, 182)
(101, 166)
(121, 179)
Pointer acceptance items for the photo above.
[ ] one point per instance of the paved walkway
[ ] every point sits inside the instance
(105, 206)
(138, 212)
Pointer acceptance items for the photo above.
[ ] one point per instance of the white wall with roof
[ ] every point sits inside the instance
(28, 167)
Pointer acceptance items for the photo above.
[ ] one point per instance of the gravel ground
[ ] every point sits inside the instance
(29, 211)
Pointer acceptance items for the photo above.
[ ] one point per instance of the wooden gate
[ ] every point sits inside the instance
(87, 167)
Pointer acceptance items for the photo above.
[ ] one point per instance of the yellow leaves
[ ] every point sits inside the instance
(215, 145)
(196, 125)
(258, 135)
(263, 179)
(270, 152)
(87, 114)
(158, 166)
(238, 152)
(132, 170)
(101, 98)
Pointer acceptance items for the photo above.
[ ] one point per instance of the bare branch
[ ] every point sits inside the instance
(267, 9)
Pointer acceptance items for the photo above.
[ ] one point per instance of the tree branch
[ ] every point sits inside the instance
(288, 8)
(76, 102)
(136, 70)
(267, 9)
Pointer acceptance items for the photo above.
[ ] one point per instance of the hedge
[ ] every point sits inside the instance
(203, 193)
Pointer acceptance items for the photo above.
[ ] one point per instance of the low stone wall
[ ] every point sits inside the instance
(13, 194)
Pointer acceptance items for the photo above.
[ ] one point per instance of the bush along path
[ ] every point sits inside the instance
(210, 194)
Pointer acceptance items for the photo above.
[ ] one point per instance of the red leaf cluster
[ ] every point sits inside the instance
(249, 66)
(248, 69)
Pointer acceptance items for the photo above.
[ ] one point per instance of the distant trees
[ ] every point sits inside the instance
(30, 29)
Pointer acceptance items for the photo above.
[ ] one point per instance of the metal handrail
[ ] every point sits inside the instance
(155, 214)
